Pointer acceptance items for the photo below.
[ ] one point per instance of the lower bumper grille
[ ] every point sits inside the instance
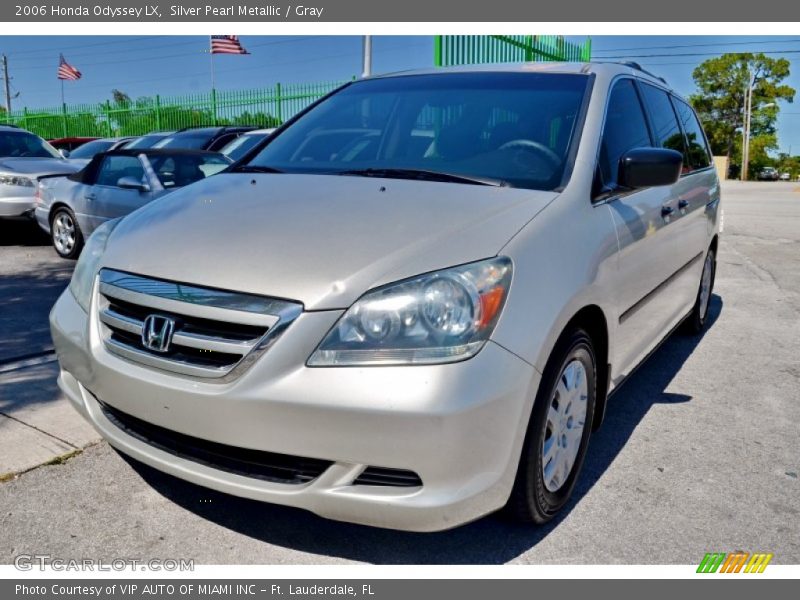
(268, 466)
(388, 477)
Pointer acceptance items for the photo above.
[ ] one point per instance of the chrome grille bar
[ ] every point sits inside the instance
(217, 334)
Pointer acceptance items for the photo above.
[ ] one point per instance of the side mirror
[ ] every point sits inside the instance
(64, 153)
(133, 183)
(649, 167)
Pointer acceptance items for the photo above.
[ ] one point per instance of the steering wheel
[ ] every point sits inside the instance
(539, 149)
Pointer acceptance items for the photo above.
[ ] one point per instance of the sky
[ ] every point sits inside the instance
(171, 65)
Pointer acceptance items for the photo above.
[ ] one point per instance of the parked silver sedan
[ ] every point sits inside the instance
(24, 158)
(112, 185)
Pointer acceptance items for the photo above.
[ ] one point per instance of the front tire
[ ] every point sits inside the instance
(558, 432)
(698, 318)
(66, 234)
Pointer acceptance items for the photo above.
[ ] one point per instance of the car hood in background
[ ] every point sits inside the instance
(321, 239)
(38, 167)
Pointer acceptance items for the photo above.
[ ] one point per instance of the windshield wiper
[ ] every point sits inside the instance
(255, 169)
(423, 175)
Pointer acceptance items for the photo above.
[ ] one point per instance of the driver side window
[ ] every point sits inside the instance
(115, 168)
(625, 128)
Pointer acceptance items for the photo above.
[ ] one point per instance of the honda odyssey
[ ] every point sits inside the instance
(408, 307)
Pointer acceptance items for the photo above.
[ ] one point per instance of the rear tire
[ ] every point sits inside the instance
(66, 234)
(558, 432)
(698, 318)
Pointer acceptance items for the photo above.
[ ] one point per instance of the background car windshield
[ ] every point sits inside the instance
(514, 127)
(24, 144)
(236, 149)
(183, 169)
(146, 141)
(187, 142)
(89, 149)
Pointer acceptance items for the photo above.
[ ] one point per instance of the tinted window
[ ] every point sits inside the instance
(196, 141)
(89, 149)
(514, 127)
(115, 168)
(24, 144)
(698, 155)
(146, 141)
(242, 145)
(665, 124)
(183, 169)
(625, 129)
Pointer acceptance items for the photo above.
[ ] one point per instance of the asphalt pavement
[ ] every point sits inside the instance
(700, 450)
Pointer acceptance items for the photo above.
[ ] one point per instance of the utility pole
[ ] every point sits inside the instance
(367, 61)
(8, 87)
(748, 109)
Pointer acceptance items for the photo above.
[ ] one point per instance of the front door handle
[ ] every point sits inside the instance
(90, 196)
(683, 204)
(667, 211)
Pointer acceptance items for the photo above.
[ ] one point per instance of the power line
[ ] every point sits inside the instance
(163, 56)
(678, 46)
(106, 43)
(692, 54)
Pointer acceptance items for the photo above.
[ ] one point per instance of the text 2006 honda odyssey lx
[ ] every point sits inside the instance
(407, 308)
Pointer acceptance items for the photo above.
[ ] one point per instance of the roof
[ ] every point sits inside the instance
(73, 139)
(215, 129)
(604, 68)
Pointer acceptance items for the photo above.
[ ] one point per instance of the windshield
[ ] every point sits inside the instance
(513, 128)
(193, 141)
(89, 149)
(177, 170)
(22, 143)
(236, 149)
(146, 141)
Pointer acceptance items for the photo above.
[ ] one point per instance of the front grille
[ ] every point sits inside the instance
(216, 333)
(268, 466)
(388, 477)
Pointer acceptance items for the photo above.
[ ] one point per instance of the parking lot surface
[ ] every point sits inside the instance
(700, 450)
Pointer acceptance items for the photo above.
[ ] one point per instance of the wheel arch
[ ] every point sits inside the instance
(592, 319)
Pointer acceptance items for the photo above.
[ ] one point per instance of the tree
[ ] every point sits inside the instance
(722, 84)
(120, 98)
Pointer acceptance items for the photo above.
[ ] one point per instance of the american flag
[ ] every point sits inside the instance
(67, 71)
(226, 44)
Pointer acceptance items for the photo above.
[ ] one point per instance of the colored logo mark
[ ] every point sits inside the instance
(736, 562)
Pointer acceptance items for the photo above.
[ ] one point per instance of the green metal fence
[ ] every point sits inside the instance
(265, 107)
(452, 50)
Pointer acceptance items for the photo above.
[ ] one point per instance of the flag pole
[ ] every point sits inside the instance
(62, 92)
(211, 52)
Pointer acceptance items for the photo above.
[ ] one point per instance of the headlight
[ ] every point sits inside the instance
(440, 317)
(17, 180)
(87, 267)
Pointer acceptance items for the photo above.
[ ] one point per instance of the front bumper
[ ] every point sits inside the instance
(460, 426)
(17, 205)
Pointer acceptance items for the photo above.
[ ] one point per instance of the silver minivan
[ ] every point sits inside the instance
(409, 306)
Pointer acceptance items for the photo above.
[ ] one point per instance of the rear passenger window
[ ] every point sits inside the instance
(665, 124)
(698, 154)
(625, 129)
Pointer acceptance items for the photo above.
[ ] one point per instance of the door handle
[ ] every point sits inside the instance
(667, 211)
(683, 204)
(90, 196)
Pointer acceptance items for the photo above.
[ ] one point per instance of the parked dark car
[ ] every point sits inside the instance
(148, 140)
(202, 138)
(768, 174)
(68, 144)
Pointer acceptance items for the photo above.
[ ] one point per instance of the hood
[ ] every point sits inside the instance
(38, 167)
(322, 240)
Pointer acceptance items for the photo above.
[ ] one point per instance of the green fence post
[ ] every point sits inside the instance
(25, 117)
(64, 117)
(278, 107)
(108, 118)
(158, 112)
(214, 106)
(437, 51)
